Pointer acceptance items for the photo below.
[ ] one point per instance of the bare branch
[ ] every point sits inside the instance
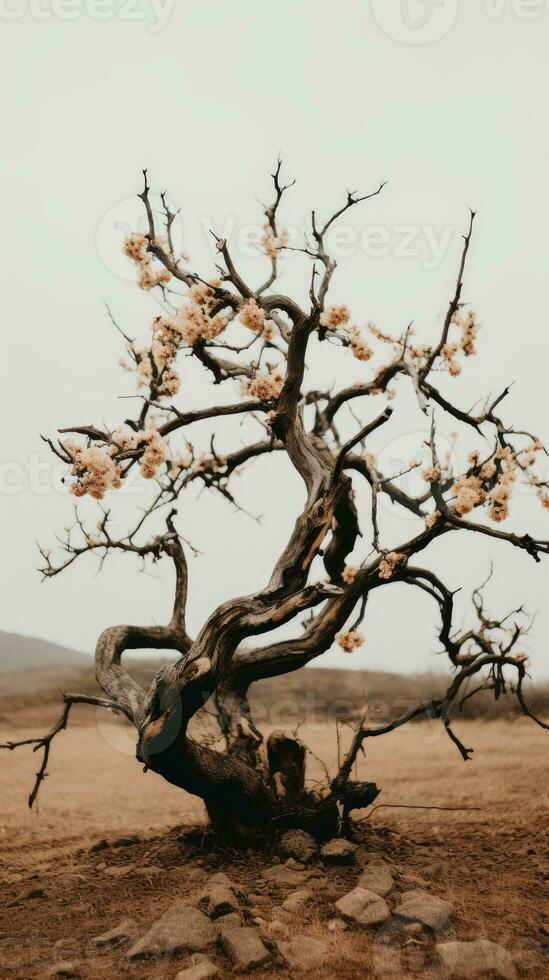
(45, 741)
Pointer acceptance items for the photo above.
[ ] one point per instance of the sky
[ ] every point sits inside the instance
(446, 101)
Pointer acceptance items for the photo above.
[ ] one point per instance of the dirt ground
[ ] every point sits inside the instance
(97, 811)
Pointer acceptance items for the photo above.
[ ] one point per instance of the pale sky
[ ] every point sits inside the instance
(206, 94)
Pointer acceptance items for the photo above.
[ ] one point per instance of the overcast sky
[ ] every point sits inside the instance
(448, 103)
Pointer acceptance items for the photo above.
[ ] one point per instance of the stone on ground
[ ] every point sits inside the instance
(377, 878)
(244, 948)
(338, 851)
(231, 919)
(303, 952)
(67, 970)
(121, 935)
(220, 878)
(201, 969)
(294, 901)
(182, 929)
(221, 901)
(430, 911)
(119, 870)
(365, 908)
(299, 845)
(279, 874)
(280, 913)
(477, 959)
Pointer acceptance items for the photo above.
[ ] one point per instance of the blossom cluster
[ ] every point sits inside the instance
(271, 243)
(253, 317)
(468, 324)
(94, 469)
(431, 474)
(339, 316)
(335, 316)
(194, 321)
(389, 563)
(493, 482)
(350, 641)
(154, 452)
(136, 247)
(266, 387)
(360, 348)
(97, 469)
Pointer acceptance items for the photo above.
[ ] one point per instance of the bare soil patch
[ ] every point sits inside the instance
(97, 813)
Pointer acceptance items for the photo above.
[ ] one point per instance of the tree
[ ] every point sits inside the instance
(259, 339)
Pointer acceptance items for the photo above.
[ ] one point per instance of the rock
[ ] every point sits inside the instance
(244, 948)
(279, 874)
(67, 970)
(258, 899)
(296, 865)
(365, 908)
(430, 911)
(303, 952)
(119, 871)
(294, 901)
(477, 959)
(221, 901)
(413, 879)
(202, 969)
(377, 878)
(232, 919)
(182, 929)
(121, 935)
(281, 914)
(338, 851)
(220, 878)
(299, 845)
(412, 928)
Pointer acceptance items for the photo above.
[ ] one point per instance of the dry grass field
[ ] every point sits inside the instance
(98, 811)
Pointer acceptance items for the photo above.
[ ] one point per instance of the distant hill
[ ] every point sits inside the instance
(33, 671)
(21, 652)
